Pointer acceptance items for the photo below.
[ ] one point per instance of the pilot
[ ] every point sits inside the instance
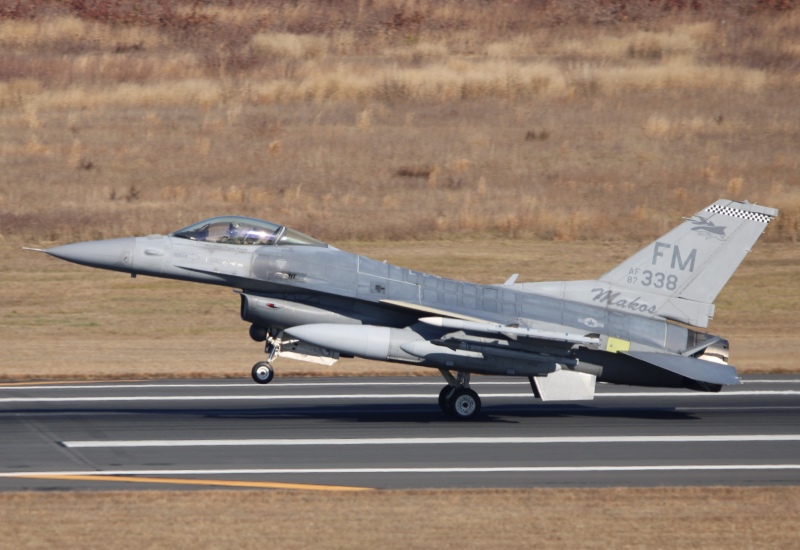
(234, 235)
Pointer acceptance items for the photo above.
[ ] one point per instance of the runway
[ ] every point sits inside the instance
(362, 434)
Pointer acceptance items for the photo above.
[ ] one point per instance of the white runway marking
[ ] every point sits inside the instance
(265, 397)
(698, 393)
(766, 381)
(739, 409)
(429, 441)
(354, 396)
(422, 470)
(251, 385)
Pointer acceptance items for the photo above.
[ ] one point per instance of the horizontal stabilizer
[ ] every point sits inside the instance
(564, 385)
(694, 369)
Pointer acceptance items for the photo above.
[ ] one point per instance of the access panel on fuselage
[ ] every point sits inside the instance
(308, 267)
(382, 281)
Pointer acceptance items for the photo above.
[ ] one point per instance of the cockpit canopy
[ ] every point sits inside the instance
(244, 231)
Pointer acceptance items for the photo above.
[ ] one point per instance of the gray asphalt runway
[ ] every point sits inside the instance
(389, 433)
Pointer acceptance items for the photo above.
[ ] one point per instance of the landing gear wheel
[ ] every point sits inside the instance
(262, 372)
(444, 402)
(464, 404)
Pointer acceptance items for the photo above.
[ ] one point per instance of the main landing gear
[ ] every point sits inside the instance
(457, 399)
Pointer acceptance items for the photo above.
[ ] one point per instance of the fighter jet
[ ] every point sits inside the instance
(639, 324)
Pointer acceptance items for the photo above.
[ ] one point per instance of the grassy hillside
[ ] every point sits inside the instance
(559, 120)
(555, 136)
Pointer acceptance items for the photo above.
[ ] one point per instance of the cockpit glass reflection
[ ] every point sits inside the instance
(244, 231)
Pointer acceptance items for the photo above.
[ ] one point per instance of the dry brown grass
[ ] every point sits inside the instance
(379, 122)
(543, 518)
(131, 117)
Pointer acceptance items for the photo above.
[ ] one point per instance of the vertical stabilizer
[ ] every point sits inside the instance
(695, 260)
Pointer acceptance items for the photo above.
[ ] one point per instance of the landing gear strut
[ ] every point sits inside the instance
(262, 372)
(457, 399)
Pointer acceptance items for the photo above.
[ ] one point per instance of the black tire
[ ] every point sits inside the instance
(465, 404)
(445, 403)
(262, 372)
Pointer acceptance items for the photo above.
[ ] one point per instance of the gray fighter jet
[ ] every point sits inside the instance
(639, 324)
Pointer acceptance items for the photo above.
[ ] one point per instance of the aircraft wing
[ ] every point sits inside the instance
(496, 328)
(449, 319)
(431, 310)
(554, 376)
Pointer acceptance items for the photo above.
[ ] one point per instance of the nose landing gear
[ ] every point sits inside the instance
(262, 372)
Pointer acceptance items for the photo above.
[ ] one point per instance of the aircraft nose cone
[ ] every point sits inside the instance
(116, 254)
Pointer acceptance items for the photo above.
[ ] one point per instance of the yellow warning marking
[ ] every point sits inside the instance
(209, 482)
(615, 345)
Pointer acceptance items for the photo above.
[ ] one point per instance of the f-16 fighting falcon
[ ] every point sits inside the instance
(639, 324)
